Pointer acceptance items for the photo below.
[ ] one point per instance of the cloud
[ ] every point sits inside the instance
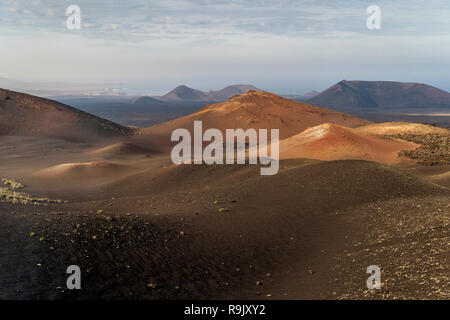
(246, 40)
(203, 17)
(109, 26)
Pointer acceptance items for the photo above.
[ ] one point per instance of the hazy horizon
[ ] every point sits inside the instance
(49, 89)
(286, 47)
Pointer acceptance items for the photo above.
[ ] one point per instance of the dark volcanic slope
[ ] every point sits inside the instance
(23, 114)
(381, 95)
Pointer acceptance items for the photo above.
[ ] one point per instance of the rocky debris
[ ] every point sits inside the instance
(410, 248)
(11, 195)
(434, 148)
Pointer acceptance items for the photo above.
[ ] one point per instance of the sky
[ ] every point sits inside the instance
(285, 46)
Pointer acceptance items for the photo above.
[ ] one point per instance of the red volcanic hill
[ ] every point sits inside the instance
(334, 142)
(24, 114)
(258, 110)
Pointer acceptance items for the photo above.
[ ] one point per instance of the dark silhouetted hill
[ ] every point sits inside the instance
(381, 95)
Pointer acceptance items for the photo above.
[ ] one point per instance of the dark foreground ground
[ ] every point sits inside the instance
(308, 232)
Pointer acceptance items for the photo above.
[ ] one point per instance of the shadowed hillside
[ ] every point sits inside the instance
(23, 114)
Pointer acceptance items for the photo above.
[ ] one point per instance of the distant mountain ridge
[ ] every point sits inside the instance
(374, 95)
(302, 97)
(310, 94)
(230, 91)
(146, 100)
(184, 93)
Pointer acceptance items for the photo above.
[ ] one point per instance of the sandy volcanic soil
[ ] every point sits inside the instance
(203, 232)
